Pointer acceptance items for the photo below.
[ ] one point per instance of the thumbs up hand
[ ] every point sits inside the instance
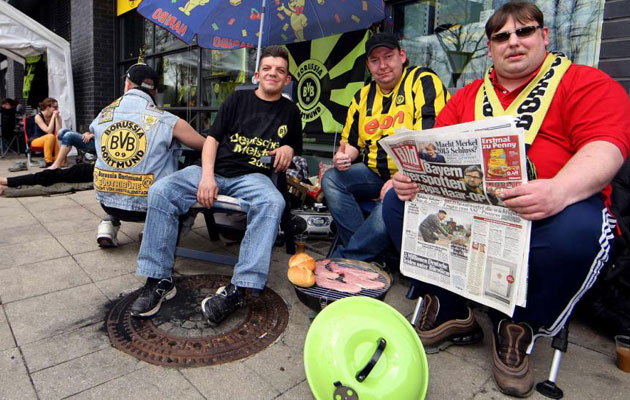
(341, 160)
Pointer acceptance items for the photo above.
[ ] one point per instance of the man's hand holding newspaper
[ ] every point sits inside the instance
(405, 188)
(464, 190)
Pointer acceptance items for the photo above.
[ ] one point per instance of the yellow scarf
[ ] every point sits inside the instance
(532, 104)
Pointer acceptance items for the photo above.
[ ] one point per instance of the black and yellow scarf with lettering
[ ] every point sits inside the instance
(531, 105)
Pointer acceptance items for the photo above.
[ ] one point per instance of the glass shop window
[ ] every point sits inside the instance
(147, 31)
(448, 35)
(178, 79)
(222, 71)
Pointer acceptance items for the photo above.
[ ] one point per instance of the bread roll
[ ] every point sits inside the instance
(300, 276)
(303, 260)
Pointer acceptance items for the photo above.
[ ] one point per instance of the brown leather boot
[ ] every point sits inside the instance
(455, 331)
(512, 369)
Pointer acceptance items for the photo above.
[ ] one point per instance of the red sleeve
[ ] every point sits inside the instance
(597, 109)
(461, 107)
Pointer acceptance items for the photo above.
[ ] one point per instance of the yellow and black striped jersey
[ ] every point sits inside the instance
(414, 104)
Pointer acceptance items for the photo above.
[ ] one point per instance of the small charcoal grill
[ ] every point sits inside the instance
(316, 297)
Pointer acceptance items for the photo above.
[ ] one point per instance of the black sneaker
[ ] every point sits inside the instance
(153, 293)
(217, 307)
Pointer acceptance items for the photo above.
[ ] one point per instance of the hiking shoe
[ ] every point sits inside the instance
(512, 370)
(154, 292)
(106, 234)
(225, 301)
(18, 166)
(436, 337)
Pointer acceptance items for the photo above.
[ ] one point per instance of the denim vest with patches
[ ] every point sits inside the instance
(135, 147)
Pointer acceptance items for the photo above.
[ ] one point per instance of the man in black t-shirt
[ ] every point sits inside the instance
(250, 124)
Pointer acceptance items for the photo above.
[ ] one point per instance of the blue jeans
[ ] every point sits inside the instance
(173, 196)
(71, 138)
(363, 239)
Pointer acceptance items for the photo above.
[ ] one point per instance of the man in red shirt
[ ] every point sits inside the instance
(577, 124)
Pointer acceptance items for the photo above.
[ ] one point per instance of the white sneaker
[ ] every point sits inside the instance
(106, 234)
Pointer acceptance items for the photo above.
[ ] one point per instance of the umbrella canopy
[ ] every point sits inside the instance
(231, 24)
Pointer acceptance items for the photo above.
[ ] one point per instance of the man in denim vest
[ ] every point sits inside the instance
(137, 144)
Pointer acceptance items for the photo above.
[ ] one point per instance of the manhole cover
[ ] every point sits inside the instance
(179, 336)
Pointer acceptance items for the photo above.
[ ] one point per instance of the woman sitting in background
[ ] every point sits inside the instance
(47, 123)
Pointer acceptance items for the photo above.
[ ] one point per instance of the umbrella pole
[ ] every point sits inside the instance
(260, 35)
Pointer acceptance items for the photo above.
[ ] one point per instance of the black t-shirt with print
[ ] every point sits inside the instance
(247, 127)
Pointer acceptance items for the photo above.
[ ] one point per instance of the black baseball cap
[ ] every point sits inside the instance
(137, 74)
(381, 39)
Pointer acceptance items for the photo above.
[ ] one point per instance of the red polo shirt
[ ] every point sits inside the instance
(587, 106)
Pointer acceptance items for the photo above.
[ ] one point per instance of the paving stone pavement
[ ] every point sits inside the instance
(56, 285)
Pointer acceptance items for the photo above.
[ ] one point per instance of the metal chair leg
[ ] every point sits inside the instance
(549, 388)
(416, 312)
(333, 246)
(413, 292)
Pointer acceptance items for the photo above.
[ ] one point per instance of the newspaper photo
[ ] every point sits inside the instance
(457, 233)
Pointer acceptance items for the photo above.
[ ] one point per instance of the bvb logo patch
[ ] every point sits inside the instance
(400, 100)
(123, 144)
(282, 131)
(309, 74)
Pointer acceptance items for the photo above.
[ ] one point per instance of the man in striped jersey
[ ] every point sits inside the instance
(399, 96)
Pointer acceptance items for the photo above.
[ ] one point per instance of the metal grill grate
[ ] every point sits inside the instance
(317, 297)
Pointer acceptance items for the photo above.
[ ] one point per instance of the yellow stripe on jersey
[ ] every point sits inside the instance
(414, 104)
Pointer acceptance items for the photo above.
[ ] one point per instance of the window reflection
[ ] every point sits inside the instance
(178, 79)
(448, 35)
(222, 71)
(148, 36)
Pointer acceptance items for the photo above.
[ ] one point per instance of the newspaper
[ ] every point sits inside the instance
(457, 233)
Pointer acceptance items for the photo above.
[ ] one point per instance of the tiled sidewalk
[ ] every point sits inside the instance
(56, 284)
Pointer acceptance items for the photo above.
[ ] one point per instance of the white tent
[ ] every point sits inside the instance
(21, 36)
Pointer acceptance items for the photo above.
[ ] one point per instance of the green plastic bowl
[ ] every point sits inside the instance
(345, 336)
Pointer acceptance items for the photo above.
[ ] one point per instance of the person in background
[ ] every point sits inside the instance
(69, 138)
(47, 124)
(7, 121)
(77, 173)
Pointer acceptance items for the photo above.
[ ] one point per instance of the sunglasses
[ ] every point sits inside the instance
(522, 33)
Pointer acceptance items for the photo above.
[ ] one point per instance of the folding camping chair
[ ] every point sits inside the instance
(11, 140)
